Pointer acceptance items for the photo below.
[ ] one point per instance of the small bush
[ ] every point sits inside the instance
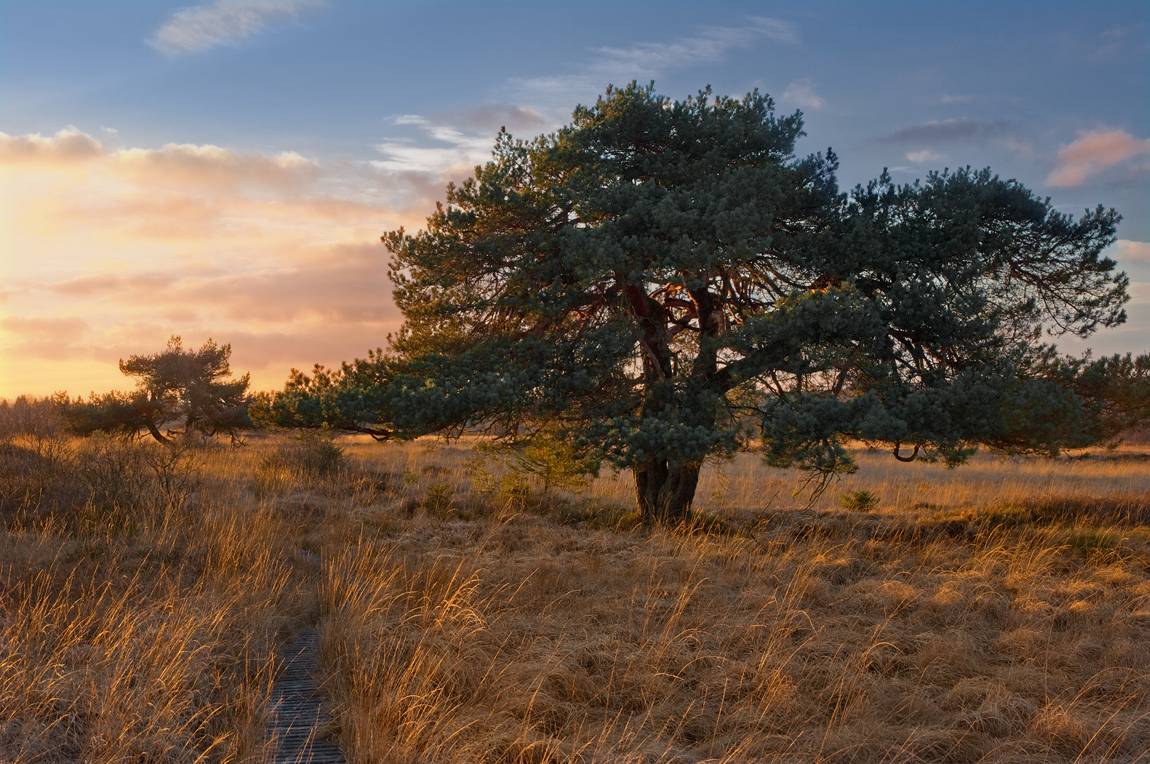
(858, 501)
(115, 469)
(34, 488)
(409, 477)
(548, 458)
(100, 484)
(317, 455)
(555, 462)
(514, 489)
(311, 454)
(440, 499)
(174, 473)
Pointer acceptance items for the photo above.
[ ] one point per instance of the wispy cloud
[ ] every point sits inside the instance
(409, 119)
(55, 338)
(446, 142)
(55, 331)
(336, 283)
(226, 22)
(179, 165)
(802, 92)
(1095, 152)
(948, 131)
(1118, 40)
(645, 60)
(454, 149)
(489, 117)
(712, 44)
(918, 157)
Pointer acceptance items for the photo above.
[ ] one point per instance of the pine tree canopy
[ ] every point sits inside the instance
(663, 281)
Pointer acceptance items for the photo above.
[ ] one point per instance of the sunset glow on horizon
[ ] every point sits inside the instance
(226, 170)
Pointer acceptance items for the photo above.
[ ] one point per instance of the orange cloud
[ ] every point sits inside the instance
(104, 284)
(1092, 153)
(184, 166)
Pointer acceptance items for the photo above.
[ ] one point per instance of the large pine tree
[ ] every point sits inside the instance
(663, 281)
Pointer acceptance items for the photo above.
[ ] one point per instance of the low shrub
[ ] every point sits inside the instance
(859, 501)
(310, 455)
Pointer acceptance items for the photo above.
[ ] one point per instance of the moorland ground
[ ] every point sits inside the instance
(997, 612)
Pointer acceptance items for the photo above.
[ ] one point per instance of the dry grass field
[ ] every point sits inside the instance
(996, 613)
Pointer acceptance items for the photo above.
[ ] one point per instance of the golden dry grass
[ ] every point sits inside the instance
(999, 612)
(143, 631)
(995, 613)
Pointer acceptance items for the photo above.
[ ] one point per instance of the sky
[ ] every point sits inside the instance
(225, 170)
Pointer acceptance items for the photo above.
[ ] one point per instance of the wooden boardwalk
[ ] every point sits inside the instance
(299, 713)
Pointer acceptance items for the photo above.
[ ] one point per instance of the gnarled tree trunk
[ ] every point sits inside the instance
(665, 489)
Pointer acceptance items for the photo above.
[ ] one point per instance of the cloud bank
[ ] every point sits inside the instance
(227, 22)
(67, 146)
(116, 250)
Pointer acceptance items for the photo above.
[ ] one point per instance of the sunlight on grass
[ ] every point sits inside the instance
(998, 612)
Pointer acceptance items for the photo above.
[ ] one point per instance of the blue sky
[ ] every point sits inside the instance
(225, 169)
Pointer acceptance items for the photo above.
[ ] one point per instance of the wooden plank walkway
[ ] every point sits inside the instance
(299, 712)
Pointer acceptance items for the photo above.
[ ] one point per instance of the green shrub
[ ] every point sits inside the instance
(858, 501)
(547, 456)
(514, 489)
(440, 499)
